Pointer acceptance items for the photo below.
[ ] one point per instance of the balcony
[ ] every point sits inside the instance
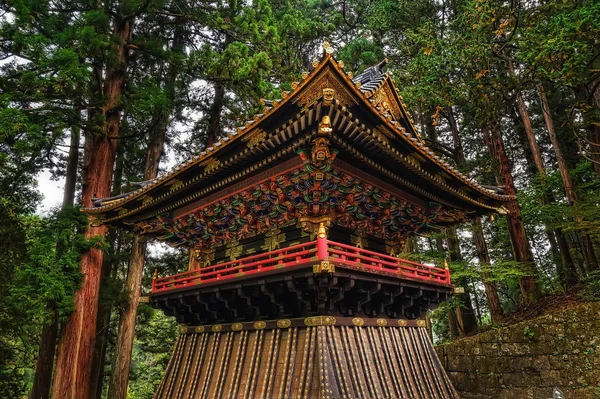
(305, 256)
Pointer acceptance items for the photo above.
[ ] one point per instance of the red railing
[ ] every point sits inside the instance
(303, 255)
(295, 255)
(363, 259)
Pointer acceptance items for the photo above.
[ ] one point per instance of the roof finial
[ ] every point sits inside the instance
(327, 47)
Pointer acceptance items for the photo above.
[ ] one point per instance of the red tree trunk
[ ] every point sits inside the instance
(518, 237)
(76, 344)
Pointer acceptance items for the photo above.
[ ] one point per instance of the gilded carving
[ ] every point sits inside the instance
(328, 94)
(259, 325)
(284, 323)
(314, 91)
(395, 107)
(234, 251)
(359, 241)
(382, 322)
(175, 185)
(311, 225)
(97, 220)
(273, 240)
(204, 256)
(325, 128)
(210, 164)
(319, 321)
(199, 329)
(255, 137)
(217, 328)
(357, 321)
(402, 323)
(324, 267)
(183, 329)
(395, 248)
(237, 326)
(421, 323)
(147, 200)
(320, 150)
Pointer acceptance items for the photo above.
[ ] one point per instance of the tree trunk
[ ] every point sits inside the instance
(214, 123)
(133, 284)
(45, 361)
(459, 154)
(491, 292)
(478, 238)
(124, 345)
(76, 344)
(586, 244)
(109, 268)
(465, 316)
(521, 249)
(558, 243)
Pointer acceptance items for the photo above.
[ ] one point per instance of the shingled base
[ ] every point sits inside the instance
(317, 357)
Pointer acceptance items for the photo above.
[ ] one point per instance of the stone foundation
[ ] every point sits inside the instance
(528, 359)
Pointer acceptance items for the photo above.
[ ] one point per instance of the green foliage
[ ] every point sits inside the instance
(44, 285)
(155, 337)
(591, 290)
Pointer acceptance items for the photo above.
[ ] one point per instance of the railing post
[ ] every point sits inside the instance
(323, 265)
(154, 277)
(447, 270)
(322, 248)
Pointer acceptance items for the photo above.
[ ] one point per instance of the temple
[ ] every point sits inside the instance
(296, 224)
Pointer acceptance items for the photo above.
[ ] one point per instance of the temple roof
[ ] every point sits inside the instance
(319, 358)
(372, 130)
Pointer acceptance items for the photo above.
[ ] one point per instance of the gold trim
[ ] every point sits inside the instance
(259, 325)
(237, 326)
(254, 138)
(357, 321)
(382, 322)
(421, 323)
(319, 321)
(284, 323)
(210, 164)
(402, 323)
(199, 329)
(324, 267)
(217, 328)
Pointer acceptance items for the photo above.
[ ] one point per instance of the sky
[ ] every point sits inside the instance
(52, 190)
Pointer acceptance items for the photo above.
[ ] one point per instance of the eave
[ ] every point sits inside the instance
(417, 157)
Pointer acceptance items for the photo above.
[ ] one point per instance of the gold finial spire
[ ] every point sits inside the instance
(322, 233)
(446, 264)
(155, 275)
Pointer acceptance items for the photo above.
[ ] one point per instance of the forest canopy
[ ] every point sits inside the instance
(104, 94)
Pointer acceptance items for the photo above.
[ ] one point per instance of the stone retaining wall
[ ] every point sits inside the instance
(528, 359)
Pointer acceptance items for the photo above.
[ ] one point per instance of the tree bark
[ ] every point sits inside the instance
(133, 284)
(45, 361)
(465, 316)
(558, 243)
(521, 249)
(124, 345)
(459, 154)
(108, 273)
(76, 344)
(214, 122)
(585, 241)
(491, 292)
